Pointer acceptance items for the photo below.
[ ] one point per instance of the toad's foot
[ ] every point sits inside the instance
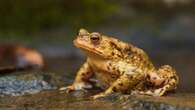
(77, 86)
(67, 89)
(155, 92)
(98, 95)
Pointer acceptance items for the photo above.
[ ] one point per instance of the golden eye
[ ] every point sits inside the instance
(95, 37)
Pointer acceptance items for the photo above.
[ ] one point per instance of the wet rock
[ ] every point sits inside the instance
(129, 102)
(79, 100)
(23, 83)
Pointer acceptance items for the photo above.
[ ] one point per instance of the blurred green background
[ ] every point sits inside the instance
(165, 29)
(59, 20)
(26, 20)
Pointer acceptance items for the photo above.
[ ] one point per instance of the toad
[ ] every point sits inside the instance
(119, 67)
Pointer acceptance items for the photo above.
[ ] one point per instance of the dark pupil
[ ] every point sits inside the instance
(95, 38)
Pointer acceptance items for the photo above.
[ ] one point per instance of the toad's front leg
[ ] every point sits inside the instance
(123, 84)
(82, 79)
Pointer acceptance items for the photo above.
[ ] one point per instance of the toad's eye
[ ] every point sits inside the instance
(95, 37)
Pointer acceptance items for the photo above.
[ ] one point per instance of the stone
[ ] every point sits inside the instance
(17, 84)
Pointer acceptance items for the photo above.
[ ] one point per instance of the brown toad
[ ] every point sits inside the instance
(120, 67)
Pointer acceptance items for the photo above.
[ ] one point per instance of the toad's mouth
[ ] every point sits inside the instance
(91, 50)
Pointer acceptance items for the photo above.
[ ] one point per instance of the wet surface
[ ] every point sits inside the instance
(54, 100)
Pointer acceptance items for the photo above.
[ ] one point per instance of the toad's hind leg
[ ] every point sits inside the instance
(170, 83)
(171, 79)
(82, 79)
